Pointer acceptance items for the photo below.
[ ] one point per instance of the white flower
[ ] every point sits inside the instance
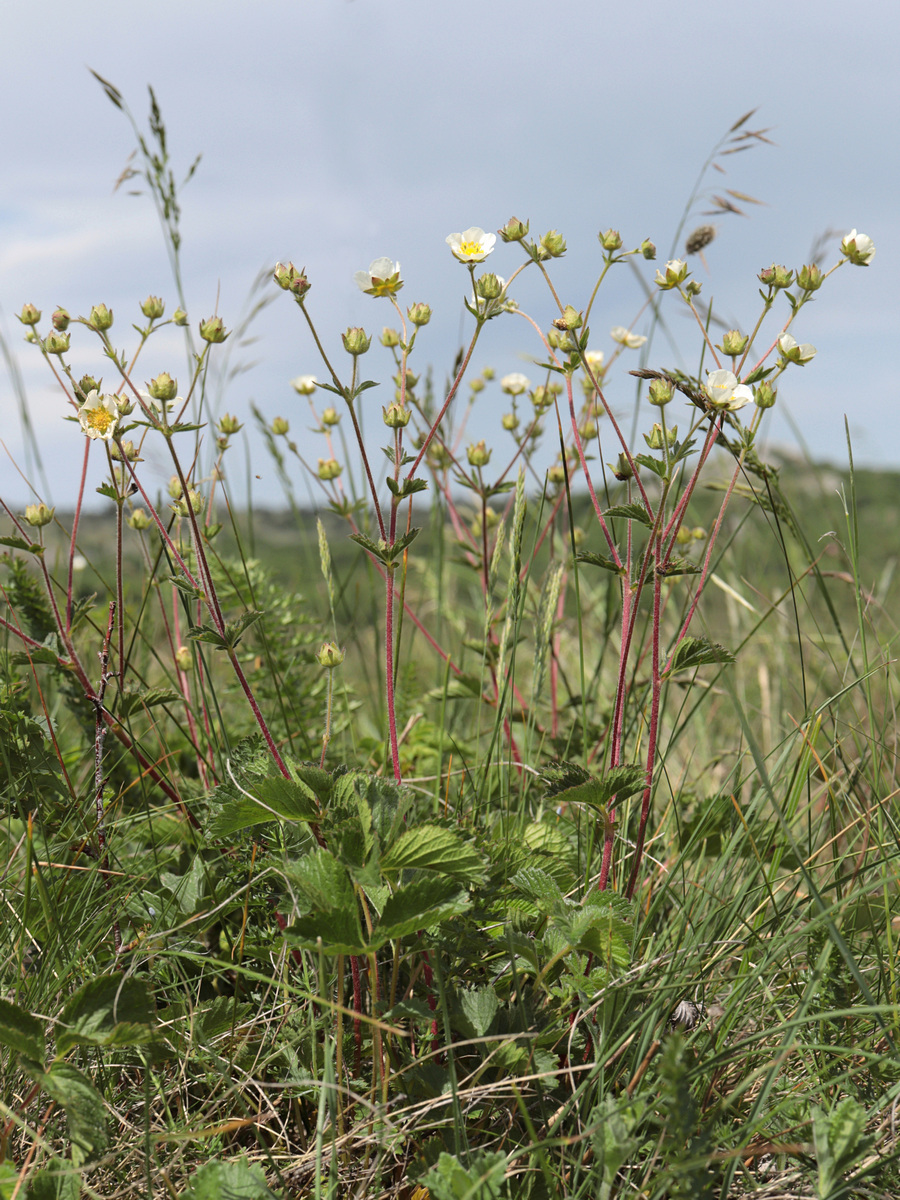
(515, 384)
(858, 248)
(795, 353)
(471, 246)
(304, 385)
(595, 359)
(626, 338)
(381, 279)
(725, 393)
(98, 416)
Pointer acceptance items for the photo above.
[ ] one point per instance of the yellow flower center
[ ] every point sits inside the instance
(99, 419)
(470, 247)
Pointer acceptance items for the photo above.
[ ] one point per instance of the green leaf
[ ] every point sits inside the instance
(322, 881)
(59, 1181)
(620, 782)
(17, 543)
(598, 560)
(677, 566)
(539, 887)
(482, 1179)
(22, 1032)
(338, 929)
(841, 1141)
(186, 588)
(475, 1010)
(112, 1010)
(631, 512)
(418, 905)
(273, 799)
(430, 848)
(656, 465)
(84, 1110)
(206, 633)
(229, 1181)
(136, 699)
(697, 652)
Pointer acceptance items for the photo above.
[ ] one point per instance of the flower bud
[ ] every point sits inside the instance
(304, 385)
(699, 239)
(764, 395)
(675, 274)
(419, 314)
(56, 343)
(127, 451)
(180, 317)
(124, 405)
(29, 314)
(330, 416)
(212, 330)
(515, 383)
(163, 387)
(101, 317)
(478, 454)
(488, 373)
(809, 278)
(476, 385)
(488, 287)
(588, 431)
(390, 337)
(542, 398)
(514, 230)
(622, 470)
(192, 502)
(183, 657)
(734, 343)
(396, 417)
(510, 422)
(280, 427)
(683, 536)
(153, 308)
(140, 520)
(648, 249)
(439, 457)
(776, 277)
(610, 240)
(175, 489)
(329, 468)
(88, 384)
(329, 656)
(411, 381)
(655, 439)
(38, 515)
(692, 288)
(858, 248)
(571, 319)
(355, 341)
(229, 425)
(61, 320)
(292, 280)
(552, 245)
(661, 392)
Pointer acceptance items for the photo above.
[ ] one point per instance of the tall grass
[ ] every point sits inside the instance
(546, 848)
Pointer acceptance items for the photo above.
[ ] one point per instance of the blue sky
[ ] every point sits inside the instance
(336, 131)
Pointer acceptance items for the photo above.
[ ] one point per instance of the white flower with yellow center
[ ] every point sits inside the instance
(381, 279)
(725, 393)
(472, 245)
(515, 384)
(304, 385)
(595, 360)
(98, 416)
(632, 341)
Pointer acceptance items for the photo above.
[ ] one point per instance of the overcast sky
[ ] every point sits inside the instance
(336, 131)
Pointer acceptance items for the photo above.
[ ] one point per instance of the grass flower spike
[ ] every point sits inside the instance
(472, 245)
(381, 279)
(98, 416)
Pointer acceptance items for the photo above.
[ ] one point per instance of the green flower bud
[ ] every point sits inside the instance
(542, 398)
(661, 392)
(556, 474)
(622, 470)
(571, 319)
(330, 416)
(514, 230)
(355, 341)
(654, 438)
(698, 533)
(124, 406)
(411, 381)
(153, 308)
(292, 280)
(140, 520)
(29, 314)
(552, 245)
(88, 384)
(192, 502)
(588, 431)
(692, 288)
(776, 277)
(764, 395)
(510, 422)
(734, 343)
(163, 387)
(127, 451)
(439, 457)
(101, 317)
(329, 468)
(488, 373)
(175, 489)
(683, 536)
(476, 385)
(809, 278)
(60, 320)
(38, 515)
(648, 249)
(610, 240)
(396, 417)
(182, 654)
(478, 454)
(280, 427)
(212, 330)
(57, 343)
(329, 656)
(488, 287)
(390, 337)
(229, 425)
(419, 314)
(180, 317)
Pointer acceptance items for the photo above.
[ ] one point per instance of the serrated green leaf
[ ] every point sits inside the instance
(482, 1179)
(186, 588)
(112, 1010)
(22, 1032)
(630, 512)
(137, 699)
(475, 1009)
(338, 929)
(598, 560)
(657, 466)
(419, 905)
(322, 881)
(430, 848)
(85, 1114)
(697, 652)
(59, 1181)
(206, 633)
(229, 1181)
(18, 543)
(539, 887)
(620, 782)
